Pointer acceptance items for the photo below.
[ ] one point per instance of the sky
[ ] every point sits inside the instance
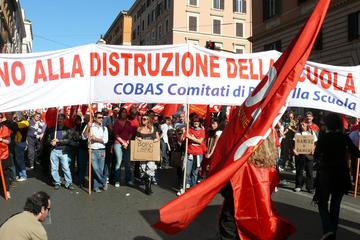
(59, 24)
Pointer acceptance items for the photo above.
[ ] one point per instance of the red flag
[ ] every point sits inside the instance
(170, 109)
(200, 110)
(158, 108)
(247, 129)
(50, 117)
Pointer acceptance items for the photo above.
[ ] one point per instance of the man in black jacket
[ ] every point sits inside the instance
(60, 140)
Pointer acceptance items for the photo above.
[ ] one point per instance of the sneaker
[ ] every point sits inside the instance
(180, 192)
(105, 187)
(21, 179)
(70, 187)
(276, 189)
(57, 186)
(8, 195)
(281, 169)
(97, 190)
(293, 171)
(107, 180)
(297, 189)
(187, 186)
(153, 180)
(117, 185)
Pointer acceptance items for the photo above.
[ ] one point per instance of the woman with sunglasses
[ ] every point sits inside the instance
(147, 131)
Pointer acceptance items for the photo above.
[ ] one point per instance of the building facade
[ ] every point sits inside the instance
(119, 32)
(225, 22)
(276, 23)
(27, 40)
(12, 28)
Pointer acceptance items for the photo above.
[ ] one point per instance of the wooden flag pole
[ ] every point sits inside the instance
(3, 181)
(89, 146)
(186, 150)
(357, 170)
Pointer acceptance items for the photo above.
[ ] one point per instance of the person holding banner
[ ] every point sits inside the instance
(122, 135)
(98, 138)
(147, 131)
(34, 139)
(4, 157)
(196, 150)
(61, 139)
(333, 175)
(304, 161)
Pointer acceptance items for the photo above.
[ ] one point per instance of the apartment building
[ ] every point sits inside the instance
(225, 22)
(12, 28)
(276, 23)
(119, 32)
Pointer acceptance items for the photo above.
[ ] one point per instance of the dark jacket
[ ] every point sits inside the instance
(332, 151)
(65, 142)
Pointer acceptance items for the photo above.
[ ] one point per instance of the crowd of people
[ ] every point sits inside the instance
(28, 144)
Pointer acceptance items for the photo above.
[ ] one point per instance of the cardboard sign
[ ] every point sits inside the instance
(304, 144)
(145, 150)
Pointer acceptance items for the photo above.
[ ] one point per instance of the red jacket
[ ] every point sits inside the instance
(4, 149)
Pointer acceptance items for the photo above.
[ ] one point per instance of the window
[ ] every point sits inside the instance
(239, 49)
(218, 4)
(159, 9)
(192, 41)
(134, 34)
(167, 4)
(193, 23)
(138, 30)
(239, 29)
(273, 46)
(354, 26)
(160, 31)
(271, 8)
(216, 26)
(193, 2)
(153, 35)
(148, 3)
(167, 27)
(153, 15)
(143, 25)
(148, 19)
(239, 6)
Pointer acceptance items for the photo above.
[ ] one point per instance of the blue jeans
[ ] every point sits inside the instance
(192, 169)
(57, 156)
(122, 154)
(330, 219)
(20, 159)
(83, 155)
(98, 162)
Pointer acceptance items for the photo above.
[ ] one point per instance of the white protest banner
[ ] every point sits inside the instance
(162, 74)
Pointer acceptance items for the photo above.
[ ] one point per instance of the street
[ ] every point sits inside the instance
(127, 213)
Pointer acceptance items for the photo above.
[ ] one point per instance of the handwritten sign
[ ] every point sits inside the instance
(304, 144)
(145, 150)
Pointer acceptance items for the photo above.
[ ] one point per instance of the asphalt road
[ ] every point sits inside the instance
(127, 213)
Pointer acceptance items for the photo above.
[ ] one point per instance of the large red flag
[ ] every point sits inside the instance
(170, 109)
(247, 129)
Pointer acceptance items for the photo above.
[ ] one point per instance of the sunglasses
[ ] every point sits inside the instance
(99, 117)
(145, 119)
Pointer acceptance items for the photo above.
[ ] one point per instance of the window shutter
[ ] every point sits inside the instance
(222, 4)
(239, 30)
(265, 9)
(277, 7)
(353, 26)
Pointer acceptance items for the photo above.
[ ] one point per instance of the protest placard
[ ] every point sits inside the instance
(145, 150)
(304, 144)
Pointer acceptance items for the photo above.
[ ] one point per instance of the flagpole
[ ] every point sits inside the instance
(357, 171)
(56, 122)
(3, 181)
(186, 150)
(89, 147)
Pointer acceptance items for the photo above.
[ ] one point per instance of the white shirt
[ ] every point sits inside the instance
(99, 132)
